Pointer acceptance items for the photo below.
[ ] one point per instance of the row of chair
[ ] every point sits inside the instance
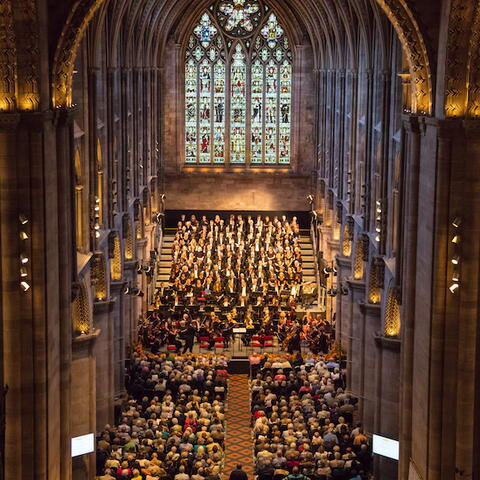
(257, 341)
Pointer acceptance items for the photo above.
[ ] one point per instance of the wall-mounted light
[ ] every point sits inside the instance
(23, 236)
(25, 286)
(23, 258)
(23, 272)
(455, 259)
(23, 219)
(456, 239)
(457, 222)
(454, 287)
(456, 275)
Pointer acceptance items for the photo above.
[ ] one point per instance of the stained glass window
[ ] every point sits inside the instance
(238, 87)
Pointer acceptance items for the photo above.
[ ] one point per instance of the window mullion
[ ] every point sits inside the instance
(248, 113)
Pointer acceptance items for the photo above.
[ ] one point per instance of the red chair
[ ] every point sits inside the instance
(256, 341)
(268, 341)
(219, 342)
(204, 342)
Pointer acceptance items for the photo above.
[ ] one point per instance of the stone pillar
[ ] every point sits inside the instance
(372, 325)
(117, 316)
(408, 254)
(353, 337)
(343, 318)
(103, 352)
(387, 406)
(83, 391)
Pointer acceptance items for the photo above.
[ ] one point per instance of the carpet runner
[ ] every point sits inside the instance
(238, 443)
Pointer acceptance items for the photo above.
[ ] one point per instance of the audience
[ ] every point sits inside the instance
(303, 423)
(172, 426)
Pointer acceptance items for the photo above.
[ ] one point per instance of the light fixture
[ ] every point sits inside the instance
(379, 210)
(378, 202)
(377, 238)
(23, 272)
(454, 287)
(23, 236)
(457, 222)
(97, 234)
(455, 259)
(378, 229)
(456, 276)
(25, 286)
(456, 239)
(23, 258)
(23, 219)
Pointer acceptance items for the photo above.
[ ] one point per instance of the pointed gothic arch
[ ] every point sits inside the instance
(238, 91)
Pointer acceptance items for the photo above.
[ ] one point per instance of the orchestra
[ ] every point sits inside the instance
(242, 272)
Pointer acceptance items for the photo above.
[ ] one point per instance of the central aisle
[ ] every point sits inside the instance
(238, 444)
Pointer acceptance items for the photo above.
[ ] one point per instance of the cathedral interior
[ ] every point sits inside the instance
(359, 119)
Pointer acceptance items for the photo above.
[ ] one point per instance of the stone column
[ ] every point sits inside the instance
(83, 391)
(372, 325)
(103, 352)
(117, 316)
(387, 406)
(353, 337)
(344, 272)
(408, 253)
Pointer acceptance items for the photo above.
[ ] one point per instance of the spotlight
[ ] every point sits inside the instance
(456, 276)
(378, 229)
(456, 260)
(379, 210)
(23, 272)
(334, 270)
(377, 238)
(457, 222)
(310, 198)
(378, 202)
(126, 290)
(147, 268)
(454, 287)
(97, 234)
(23, 236)
(23, 258)
(139, 269)
(25, 286)
(456, 239)
(23, 219)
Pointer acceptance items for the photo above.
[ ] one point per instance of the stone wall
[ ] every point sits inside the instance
(237, 192)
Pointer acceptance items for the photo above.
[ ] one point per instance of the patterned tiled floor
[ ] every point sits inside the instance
(238, 444)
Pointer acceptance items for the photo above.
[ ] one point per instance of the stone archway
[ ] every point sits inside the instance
(415, 50)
